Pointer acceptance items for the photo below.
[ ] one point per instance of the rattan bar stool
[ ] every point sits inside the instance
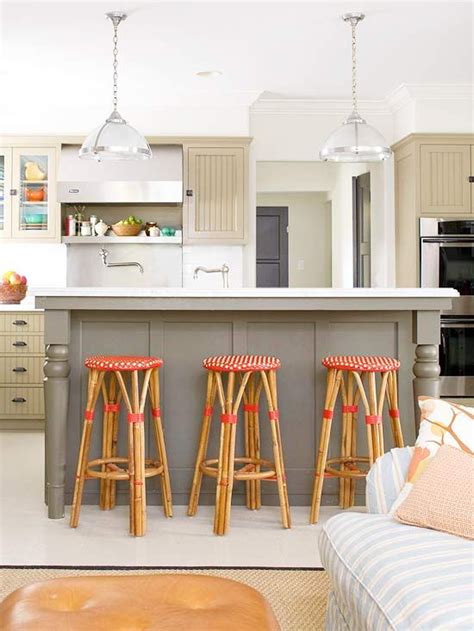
(256, 373)
(106, 377)
(345, 376)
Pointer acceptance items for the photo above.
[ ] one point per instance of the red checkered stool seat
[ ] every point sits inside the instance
(122, 362)
(364, 384)
(236, 383)
(241, 363)
(362, 363)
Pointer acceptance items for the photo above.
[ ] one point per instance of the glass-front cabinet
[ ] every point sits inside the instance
(5, 185)
(28, 207)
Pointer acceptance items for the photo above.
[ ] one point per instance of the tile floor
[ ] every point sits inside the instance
(27, 537)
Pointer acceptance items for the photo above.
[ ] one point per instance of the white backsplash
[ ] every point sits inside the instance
(58, 265)
(162, 266)
(212, 256)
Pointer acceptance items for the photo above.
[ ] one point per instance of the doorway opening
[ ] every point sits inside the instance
(272, 246)
(361, 230)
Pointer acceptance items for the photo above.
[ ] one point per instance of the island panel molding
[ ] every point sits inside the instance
(184, 336)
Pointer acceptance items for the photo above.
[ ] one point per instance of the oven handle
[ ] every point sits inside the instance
(457, 323)
(448, 243)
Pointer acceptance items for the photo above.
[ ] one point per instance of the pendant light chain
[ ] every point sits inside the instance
(354, 66)
(115, 64)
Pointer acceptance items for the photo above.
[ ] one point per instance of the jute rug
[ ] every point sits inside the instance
(298, 597)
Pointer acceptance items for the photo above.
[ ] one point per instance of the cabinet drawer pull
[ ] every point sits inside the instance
(20, 322)
(19, 369)
(20, 344)
(19, 400)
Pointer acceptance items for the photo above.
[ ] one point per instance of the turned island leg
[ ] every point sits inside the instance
(426, 335)
(56, 392)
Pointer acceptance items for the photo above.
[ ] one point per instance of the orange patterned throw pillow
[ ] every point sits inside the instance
(442, 423)
(442, 498)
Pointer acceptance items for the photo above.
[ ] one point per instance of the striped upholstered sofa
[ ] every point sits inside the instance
(386, 575)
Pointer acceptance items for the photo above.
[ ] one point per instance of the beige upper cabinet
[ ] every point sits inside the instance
(216, 194)
(444, 179)
(5, 189)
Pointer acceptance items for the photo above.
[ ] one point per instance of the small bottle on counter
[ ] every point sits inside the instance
(86, 229)
(93, 219)
(70, 226)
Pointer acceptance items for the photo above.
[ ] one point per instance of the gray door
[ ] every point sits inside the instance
(361, 229)
(272, 246)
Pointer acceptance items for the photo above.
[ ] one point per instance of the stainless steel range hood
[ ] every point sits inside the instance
(158, 180)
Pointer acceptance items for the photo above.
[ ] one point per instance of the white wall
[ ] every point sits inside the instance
(23, 119)
(43, 265)
(309, 239)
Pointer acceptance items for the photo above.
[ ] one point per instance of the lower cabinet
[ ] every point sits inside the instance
(21, 370)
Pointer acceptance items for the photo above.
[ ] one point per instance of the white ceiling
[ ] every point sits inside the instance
(61, 51)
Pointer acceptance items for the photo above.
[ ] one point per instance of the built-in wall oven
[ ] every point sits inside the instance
(447, 260)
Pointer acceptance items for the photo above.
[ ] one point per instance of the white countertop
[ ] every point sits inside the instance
(249, 292)
(27, 304)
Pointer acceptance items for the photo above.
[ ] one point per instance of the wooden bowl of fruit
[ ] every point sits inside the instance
(130, 227)
(12, 288)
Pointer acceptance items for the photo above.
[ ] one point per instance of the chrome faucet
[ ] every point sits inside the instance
(103, 253)
(224, 270)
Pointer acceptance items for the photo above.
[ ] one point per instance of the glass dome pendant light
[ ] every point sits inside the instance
(115, 139)
(355, 140)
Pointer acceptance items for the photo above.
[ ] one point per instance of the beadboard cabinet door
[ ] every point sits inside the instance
(445, 187)
(216, 195)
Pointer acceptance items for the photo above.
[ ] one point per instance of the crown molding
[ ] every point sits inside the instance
(341, 107)
(411, 92)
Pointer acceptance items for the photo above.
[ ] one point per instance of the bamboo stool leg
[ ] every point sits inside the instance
(349, 449)
(343, 482)
(367, 408)
(233, 406)
(249, 439)
(109, 439)
(373, 412)
(256, 441)
(203, 443)
(93, 390)
(131, 453)
(355, 416)
(223, 448)
(332, 389)
(154, 388)
(115, 431)
(392, 400)
(270, 387)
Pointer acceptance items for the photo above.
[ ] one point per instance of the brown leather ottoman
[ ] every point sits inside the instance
(164, 602)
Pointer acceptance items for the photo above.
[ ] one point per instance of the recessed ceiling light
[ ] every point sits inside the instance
(208, 73)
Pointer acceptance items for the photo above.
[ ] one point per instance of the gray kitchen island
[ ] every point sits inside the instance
(300, 326)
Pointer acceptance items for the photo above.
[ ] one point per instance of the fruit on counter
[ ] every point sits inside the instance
(33, 171)
(130, 221)
(12, 278)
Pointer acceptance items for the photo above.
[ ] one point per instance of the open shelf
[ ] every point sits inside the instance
(114, 239)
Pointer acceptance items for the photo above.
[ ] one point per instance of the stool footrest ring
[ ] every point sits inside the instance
(114, 472)
(349, 473)
(250, 470)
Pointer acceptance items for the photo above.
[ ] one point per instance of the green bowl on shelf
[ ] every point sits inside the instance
(167, 232)
(35, 218)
